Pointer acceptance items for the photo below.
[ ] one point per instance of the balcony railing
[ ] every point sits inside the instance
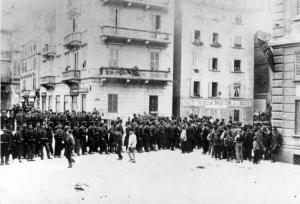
(73, 40)
(48, 81)
(6, 79)
(71, 76)
(48, 51)
(25, 93)
(135, 74)
(160, 5)
(134, 36)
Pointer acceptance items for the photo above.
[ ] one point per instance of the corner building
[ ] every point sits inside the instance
(286, 76)
(214, 59)
(111, 55)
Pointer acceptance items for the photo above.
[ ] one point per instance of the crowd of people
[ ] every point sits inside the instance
(28, 133)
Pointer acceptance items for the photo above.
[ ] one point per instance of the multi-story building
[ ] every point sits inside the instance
(286, 77)
(111, 55)
(262, 74)
(30, 68)
(213, 59)
(10, 70)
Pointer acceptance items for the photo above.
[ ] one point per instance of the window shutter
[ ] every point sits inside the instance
(230, 90)
(231, 64)
(209, 64)
(243, 91)
(193, 35)
(241, 115)
(192, 88)
(297, 7)
(243, 65)
(231, 113)
(117, 57)
(297, 64)
(209, 89)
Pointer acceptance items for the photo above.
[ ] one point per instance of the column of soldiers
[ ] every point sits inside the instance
(41, 132)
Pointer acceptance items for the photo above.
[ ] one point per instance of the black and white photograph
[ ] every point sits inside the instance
(150, 102)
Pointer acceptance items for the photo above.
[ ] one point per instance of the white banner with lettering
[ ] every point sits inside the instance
(217, 103)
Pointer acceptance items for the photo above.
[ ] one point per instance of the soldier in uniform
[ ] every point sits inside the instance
(49, 134)
(76, 138)
(91, 138)
(6, 139)
(44, 142)
(146, 133)
(82, 138)
(59, 134)
(31, 143)
(18, 144)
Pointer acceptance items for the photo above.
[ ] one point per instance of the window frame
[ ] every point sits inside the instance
(212, 89)
(240, 66)
(154, 60)
(57, 103)
(196, 89)
(113, 103)
(297, 66)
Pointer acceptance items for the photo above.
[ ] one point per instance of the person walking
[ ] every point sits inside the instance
(276, 144)
(131, 146)
(70, 146)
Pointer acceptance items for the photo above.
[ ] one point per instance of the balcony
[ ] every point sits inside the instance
(71, 77)
(25, 93)
(133, 74)
(48, 52)
(134, 36)
(6, 79)
(157, 5)
(73, 40)
(48, 81)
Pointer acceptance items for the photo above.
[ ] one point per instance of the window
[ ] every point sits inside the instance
(34, 63)
(236, 115)
(76, 60)
(114, 57)
(115, 17)
(157, 22)
(215, 38)
(43, 103)
(50, 103)
(154, 60)
(237, 66)
(238, 19)
(83, 102)
(297, 7)
(66, 102)
(112, 103)
(213, 89)
(24, 84)
(74, 105)
(237, 42)
(197, 88)
(194, 61)
(237, 90)
(214, 65)
(74, 24)
(33, 83)
(57, 104)
(297, 118)
(197, 36)
(153, 104)
(297, 66)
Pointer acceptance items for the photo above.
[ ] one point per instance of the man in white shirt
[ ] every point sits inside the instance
(131, 145)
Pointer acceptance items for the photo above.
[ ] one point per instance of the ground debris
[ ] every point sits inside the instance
(200, 167)
(80, 186)
(103, 196)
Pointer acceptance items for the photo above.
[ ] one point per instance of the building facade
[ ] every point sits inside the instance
(30, 73)
(111, 55)
(10, 70)
(286, 76)
(213, 60)
(262, 74)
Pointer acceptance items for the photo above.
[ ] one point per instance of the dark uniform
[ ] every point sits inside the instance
(59, 134)
(82, 138)
(18, 145)
(44, 142)
(6, 139)
(31, 143)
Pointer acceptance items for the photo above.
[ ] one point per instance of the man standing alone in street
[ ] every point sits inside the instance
(131, 146)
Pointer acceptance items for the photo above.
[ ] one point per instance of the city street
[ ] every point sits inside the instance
(157, 177)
